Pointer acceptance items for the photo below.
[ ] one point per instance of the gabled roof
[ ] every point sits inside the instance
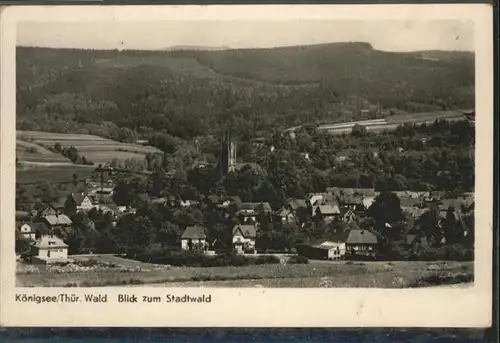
(247, 231)
(327, 209)
(48, 209)
(48, 241)
(60, 219)
(78, 197)
(194, 232)
(360, 236)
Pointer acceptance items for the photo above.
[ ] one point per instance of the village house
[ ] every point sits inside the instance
(322, 249)
(248, 211)
(82, 202)
(26, 231)
(361, 243)
(284, 215)
(48, 210)
(244, 237)
(194, 238)
(57, 221)
(327, 212)
(48, 249)
(352, 202)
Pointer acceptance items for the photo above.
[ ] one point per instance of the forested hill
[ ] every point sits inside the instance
(189, 93)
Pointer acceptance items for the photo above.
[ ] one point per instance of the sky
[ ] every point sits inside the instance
(388, 35)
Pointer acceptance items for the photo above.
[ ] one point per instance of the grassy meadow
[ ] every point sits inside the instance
(53, 173)
(332, 274)
(97, 149)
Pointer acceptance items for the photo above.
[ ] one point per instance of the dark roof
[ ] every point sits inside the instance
(194, 232)
(77, 197)
(247, 231)
(359, 236)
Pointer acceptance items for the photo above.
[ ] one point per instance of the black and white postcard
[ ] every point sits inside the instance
(247, 165)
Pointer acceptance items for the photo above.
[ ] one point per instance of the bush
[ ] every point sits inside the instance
(298, 260)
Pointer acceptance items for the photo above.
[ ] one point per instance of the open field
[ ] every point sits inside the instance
(393, 122)
(31, 153)
(334, 274)
(54, 173)
(97, 149)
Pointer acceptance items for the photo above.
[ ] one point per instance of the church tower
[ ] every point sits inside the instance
(228, 154)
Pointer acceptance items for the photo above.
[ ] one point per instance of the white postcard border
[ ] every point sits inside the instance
(327, 307)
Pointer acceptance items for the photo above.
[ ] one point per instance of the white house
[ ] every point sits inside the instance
(194, 238)
(49, 249)
(82, 201)
(26, 231)
(323, 249)
(244, 238)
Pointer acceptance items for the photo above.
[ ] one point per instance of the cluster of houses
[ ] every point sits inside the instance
(336, 204)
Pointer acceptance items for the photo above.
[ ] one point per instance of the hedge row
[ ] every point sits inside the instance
(196, 259)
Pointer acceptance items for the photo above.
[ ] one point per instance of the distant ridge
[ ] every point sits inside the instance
(196, 47)
(352, 45)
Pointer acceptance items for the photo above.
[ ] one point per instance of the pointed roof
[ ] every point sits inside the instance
(78, 197)
(247, 231)
(48, 241)
(326, 210)
(194, 232)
